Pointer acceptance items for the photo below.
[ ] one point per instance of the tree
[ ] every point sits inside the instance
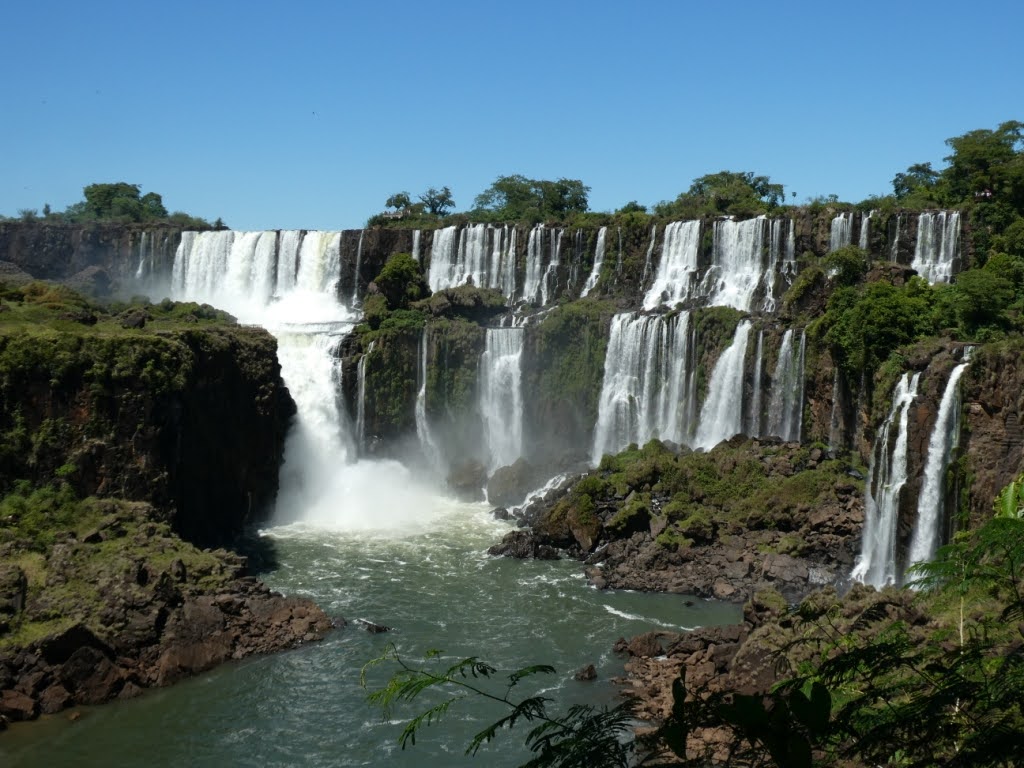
(437, 201)
(725, 192)
(988, 164)
(919, 176)
(107, 200)
(517, 198)
(399, 201)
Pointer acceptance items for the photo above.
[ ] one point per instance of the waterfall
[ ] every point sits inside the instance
(754, 422)
(736, 269)
(319, 262)
(842, 231)
(430, 449)
(834, 432)
(887, 474)
(790, 264)
(143, 253)
(894, 254)
(618, 262)
(865, 231)
(647, 257)
(416, 234)
(534, 259)
(771, 274)
(930, 502)
(647, 390)
(501, 397)
(288, 260)
(442, 258)
(721, 416)
(785, 410)
(361, 395)
(595, 271)
(938, 245)
(551, 275)
(359, 267)
(678, 264)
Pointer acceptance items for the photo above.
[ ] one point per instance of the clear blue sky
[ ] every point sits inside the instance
(309, 114)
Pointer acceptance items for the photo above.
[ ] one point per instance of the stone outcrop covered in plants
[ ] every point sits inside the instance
(130, 437)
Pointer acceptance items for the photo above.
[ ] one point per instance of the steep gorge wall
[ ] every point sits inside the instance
(193, 421)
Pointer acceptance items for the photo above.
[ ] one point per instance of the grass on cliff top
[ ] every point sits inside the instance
(80, 557)
(40, 306)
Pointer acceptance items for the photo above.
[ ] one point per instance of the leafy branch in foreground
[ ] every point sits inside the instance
(584, 737)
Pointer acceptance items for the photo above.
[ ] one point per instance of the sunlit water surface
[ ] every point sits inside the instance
(428, 579)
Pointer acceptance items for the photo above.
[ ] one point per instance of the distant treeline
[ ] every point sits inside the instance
(118, 202)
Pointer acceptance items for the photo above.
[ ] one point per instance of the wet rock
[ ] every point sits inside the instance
(16, 706)
(523, 545)
(586, 673)
(371, 627)
(508, 486)
(467, 481)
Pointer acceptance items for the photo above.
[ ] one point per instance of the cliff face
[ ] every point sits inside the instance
(95, 256)
(192, 421)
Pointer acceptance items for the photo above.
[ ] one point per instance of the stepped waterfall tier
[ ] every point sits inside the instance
(721, 416)
(842, 232)
(886, 478)
(482, 254)
(938, 245)
(648, 386)
(677, 269)
(595, 271)
(501, 397)
(786, 407)
(931, 501)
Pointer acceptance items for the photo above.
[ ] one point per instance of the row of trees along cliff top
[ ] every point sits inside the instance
(119, 203)
(984, 175)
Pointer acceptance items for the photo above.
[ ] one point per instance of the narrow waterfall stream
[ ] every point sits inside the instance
(876, 564)
(930, 503)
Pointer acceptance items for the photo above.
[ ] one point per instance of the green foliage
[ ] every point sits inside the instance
(517, 198)
(847, 265)
(864, 327)
(401, 281)
(725, 192)
(118, 202)
(810, 280)
(37, 517)
(437, 202)
(918, 179)
(980, 298)
(399, 201)
(584, 737)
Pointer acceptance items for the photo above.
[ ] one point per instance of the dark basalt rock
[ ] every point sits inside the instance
(523, 545)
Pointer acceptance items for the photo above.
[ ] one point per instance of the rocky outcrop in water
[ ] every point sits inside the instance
(126, 605)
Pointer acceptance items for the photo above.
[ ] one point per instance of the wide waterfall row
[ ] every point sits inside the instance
(481, 253)
(227, 268)
(649, 388)
(746, 260)
(938, 245)
(879, 563)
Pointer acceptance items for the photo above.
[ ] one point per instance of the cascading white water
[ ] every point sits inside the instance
(737, 267)
(320, 481)
(480, 253)
(894, 253)
(786, 405)
(416, 237)
(431, 450)
(354, 301)
(549, 282)
(772, 273)
(865, 231)
(678, 265)
(361, 397)
(789, 266)
(534, 264)
(754, 421)
(841, 234)
(938, 245)
(834, 432)
(595, 271)
(288, 260)
(721, 416)
(647, 390)
(876, 564)
(647, 257)
(501, 396)
(140, 273)
(925, 539)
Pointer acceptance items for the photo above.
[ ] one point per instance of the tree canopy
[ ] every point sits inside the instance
(725, 192)
(517, 198)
